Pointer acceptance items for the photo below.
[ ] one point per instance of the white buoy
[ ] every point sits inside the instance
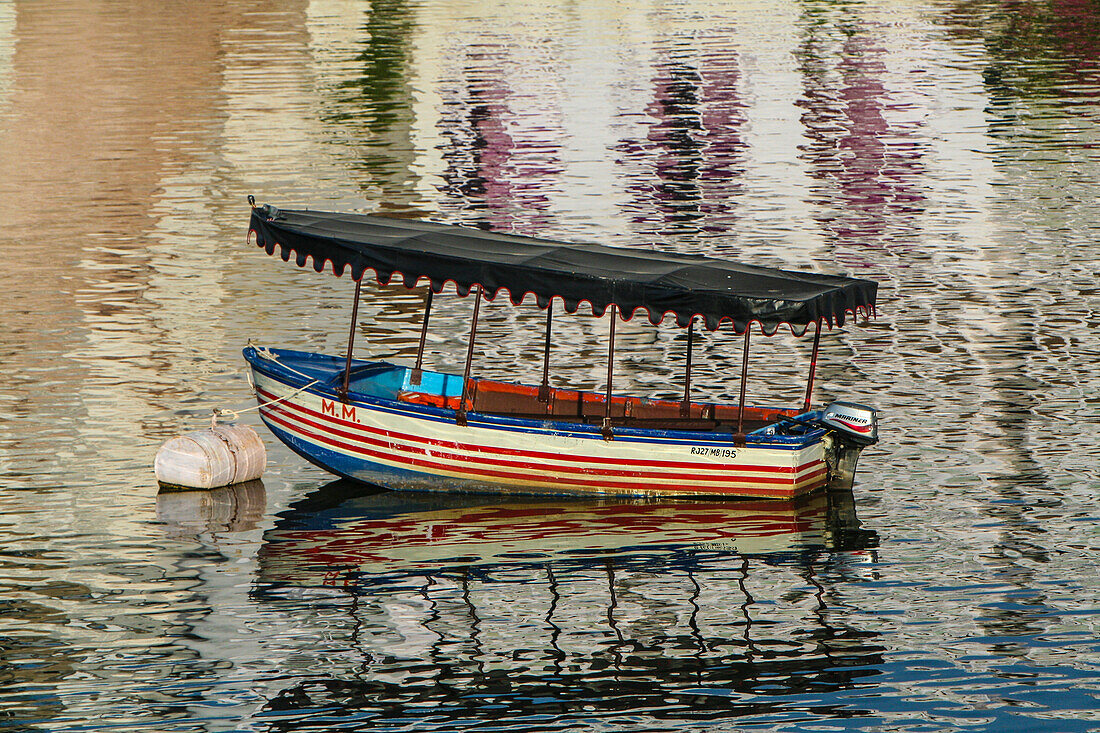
(207, 459)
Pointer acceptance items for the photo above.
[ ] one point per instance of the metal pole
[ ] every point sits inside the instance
(813, 367)
(417, 372)
(460, 418)
(351, 339)
(744, 376)
(685, 406)
(610, 365)
(544, 388)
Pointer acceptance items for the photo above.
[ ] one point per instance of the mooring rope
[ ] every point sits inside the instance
(266, 354)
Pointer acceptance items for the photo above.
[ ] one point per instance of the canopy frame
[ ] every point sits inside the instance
(466, 399)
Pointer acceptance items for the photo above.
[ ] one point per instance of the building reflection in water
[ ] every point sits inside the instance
(865, 148)
(501, 149)
(685, 175)
(449, 608)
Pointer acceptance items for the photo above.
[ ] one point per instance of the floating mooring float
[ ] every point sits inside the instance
(220, 455)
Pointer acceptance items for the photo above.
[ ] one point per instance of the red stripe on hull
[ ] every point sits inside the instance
(528, 480)
(695, 468)
(299, 421)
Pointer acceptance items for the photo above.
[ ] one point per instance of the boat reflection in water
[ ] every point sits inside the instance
(446, 609)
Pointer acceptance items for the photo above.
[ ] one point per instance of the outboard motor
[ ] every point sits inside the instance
(856, 425)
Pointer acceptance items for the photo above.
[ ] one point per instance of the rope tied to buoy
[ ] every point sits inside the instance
(266, 354)
(221, 455)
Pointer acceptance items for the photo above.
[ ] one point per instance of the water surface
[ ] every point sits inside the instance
(947, 150)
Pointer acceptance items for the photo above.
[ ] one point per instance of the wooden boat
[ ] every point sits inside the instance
(404, 427)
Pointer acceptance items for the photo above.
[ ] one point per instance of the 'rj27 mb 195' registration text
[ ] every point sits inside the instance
(713, 452)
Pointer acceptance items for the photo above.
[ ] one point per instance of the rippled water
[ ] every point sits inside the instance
(948, 150)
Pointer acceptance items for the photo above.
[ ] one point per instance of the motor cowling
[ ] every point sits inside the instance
(854, 424)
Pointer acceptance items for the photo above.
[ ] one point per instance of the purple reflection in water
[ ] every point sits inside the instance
(685, 174)
(868, 170)
(498, 162)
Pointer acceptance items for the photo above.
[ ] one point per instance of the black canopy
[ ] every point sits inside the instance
(660, 282)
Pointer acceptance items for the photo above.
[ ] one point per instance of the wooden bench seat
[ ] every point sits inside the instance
(520, 400)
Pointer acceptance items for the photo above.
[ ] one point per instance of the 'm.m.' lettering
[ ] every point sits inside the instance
(347, 412)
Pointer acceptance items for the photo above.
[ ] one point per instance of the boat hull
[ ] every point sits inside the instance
(415, 447)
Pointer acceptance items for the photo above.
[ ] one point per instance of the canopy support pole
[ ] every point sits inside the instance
(606, 430)
(813, 367)
(544, 388)
(417, 372)
(351, 341)
(460, 418)
(685, 406)
(740, 436)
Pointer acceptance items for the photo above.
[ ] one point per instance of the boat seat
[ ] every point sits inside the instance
(521, 400)
(427, 399)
